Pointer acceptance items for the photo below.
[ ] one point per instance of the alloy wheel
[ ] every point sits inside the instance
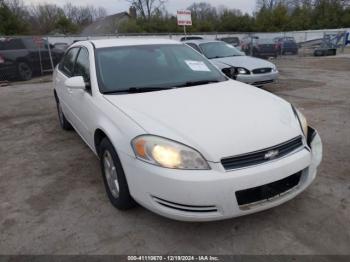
(111, 174)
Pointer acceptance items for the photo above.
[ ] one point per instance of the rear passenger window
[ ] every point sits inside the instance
(82, 65)
(67, 64)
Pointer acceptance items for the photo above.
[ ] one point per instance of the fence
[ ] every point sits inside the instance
(299, 36)
(22, 58)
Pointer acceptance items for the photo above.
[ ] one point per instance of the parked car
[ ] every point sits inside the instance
(7, 68)
(259, 47)
(232, 40)
(23, 57)
(236, 64)
(177, 136)
(265, 48)
(185, 38)
(286, 45)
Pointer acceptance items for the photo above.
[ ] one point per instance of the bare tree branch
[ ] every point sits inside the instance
(147, 8)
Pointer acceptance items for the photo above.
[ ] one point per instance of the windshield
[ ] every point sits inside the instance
(266, 41)
(219, 50)
(291, 39)
(152, 67)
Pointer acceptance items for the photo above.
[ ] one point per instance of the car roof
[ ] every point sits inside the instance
(193, 37)
(104, 43)
(203, 41)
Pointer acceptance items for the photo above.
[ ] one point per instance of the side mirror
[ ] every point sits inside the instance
(76, 82)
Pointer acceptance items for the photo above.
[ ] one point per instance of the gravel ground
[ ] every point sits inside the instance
(53, 199)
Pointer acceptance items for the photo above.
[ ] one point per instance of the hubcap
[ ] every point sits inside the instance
(111, 174)
(25, 71)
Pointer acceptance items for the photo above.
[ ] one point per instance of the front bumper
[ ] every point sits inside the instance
(258, 79)
(211, 194)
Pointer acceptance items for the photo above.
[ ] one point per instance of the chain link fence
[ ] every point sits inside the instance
(22, 58)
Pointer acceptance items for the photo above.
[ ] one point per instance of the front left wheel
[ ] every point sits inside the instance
(115, 182)
(64, 124)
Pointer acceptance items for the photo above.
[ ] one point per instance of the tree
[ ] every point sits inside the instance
(147, 8)
(65, 25)
(204, 17)
(83, 15)
(44, 17)
(9, 23)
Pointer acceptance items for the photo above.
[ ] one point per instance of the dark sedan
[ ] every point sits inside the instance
(265, 48)
(286, 45)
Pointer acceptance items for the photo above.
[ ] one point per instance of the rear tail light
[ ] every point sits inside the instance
(2, 60)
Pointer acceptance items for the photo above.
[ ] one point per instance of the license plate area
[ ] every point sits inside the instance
(269, 191)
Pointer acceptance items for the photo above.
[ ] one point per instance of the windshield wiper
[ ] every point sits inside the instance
(132, 90)
(197, 83)
(217, 57)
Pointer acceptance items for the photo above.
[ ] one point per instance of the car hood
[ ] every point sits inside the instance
(247, 62)
(219, 120)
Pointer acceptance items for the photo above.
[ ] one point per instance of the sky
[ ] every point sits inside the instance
(115, 6)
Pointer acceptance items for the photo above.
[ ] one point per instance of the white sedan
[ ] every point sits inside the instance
(177, 136)
(235, 64)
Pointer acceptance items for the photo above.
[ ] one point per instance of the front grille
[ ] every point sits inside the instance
(262, 70)
(262, 156)
(185, 208)
(269, 191)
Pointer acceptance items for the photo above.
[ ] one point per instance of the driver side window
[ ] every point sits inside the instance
(67, 64)
(82, 65)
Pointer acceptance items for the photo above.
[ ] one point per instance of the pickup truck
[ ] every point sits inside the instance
(21, 58)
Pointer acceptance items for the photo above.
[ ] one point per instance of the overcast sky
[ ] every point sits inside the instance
(114, 6)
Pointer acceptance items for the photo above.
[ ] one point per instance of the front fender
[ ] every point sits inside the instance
(119, 128)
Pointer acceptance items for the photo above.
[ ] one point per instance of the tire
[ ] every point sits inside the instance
(114, 179)
(24, 71)
(64, 124)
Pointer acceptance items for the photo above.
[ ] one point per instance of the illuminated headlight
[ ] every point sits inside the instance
(167, 153)
(242, 71)
(302, 121)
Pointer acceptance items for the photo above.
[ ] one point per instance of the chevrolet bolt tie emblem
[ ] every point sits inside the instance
(272, 154)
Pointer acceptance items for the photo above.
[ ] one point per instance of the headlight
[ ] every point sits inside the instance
(302, 121)
(167, 153)
(274, 69)
(317, 150)
(242, 71)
